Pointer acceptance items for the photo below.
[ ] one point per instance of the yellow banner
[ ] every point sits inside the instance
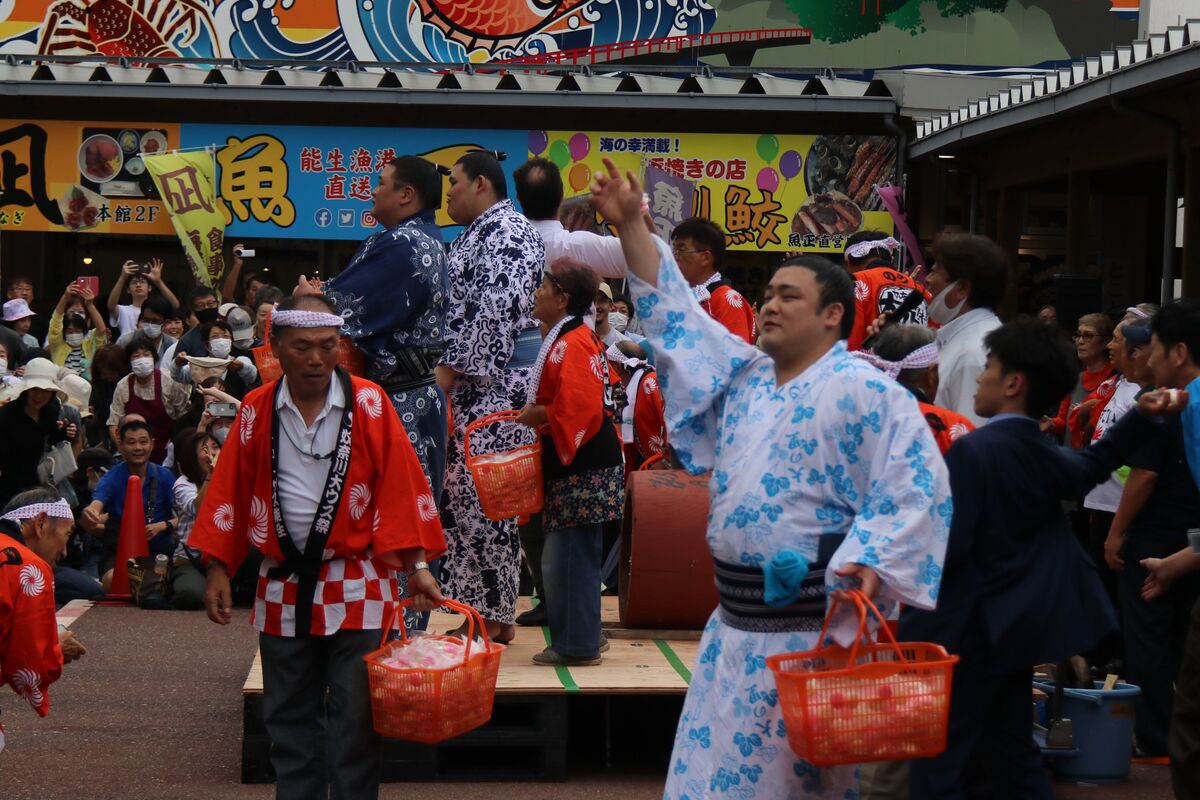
(185, 182)
(767, 191)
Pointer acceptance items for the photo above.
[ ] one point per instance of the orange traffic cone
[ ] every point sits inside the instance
(132, 542)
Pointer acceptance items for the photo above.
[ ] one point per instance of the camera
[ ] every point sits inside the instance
(246, 252)
(143, 269)
(1194, 540)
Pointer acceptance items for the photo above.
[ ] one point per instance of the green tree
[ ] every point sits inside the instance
(837, 21)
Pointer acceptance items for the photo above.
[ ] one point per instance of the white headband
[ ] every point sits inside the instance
(862, 249)
(920, 358)
(300, 318)
(614, 354)
(60, 509)
(1137, 312)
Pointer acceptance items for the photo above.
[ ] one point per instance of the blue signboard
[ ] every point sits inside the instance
(300, 182)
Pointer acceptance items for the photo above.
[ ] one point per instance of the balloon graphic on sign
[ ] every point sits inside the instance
(789, 165)
(767, 147)
(538, 140)
(580, 145)
(579, 176)
(768, 179)
(560, 153)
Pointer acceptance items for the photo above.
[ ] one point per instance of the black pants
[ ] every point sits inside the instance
(1154, 634)
(1184, 742)
(317, 710)
(991, 730)
(1110, 648)
(533, 542)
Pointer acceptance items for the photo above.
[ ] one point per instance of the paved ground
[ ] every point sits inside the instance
(154, 710)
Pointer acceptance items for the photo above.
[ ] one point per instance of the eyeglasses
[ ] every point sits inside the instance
(680, 251)
(1084, 336)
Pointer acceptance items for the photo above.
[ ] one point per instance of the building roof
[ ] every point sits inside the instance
(1145, 64)
(633, 87)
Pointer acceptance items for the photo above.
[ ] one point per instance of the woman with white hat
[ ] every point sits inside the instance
(30, 425)
(19, 317)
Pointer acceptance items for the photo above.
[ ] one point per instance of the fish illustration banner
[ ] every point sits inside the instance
(767, 191)
(185, 182)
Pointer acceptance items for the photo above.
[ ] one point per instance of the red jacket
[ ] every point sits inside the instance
(30, 658)
(733, 311)
(879, 290)
(384, 505)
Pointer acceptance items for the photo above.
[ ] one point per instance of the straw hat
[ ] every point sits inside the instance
(79, 392)
(17, 309)
(41, 373)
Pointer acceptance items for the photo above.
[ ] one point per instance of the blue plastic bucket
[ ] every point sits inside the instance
(1103, 722)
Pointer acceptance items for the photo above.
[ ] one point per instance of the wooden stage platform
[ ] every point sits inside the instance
(529, 729)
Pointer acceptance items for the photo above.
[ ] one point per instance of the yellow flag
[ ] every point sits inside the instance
(185, 181)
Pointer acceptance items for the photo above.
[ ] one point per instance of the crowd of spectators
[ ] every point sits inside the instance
(90, 396)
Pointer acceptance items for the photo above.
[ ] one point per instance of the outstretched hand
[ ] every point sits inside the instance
(618, 198)
(1163, 401)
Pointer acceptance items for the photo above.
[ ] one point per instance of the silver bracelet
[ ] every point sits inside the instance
(418, 566)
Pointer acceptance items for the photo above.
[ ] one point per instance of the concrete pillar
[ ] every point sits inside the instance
(1190, 269)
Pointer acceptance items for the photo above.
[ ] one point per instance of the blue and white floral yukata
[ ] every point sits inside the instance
(840, 449)
(495, 267)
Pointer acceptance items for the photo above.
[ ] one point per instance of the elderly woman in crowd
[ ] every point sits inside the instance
(151, 393)
(572, 404)
(29, 425)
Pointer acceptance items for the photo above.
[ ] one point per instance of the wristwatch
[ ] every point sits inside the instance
(418, 566)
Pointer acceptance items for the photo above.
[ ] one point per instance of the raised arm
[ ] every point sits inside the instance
(155, 276)
(128, 270)
(230, 285)
(619, 200)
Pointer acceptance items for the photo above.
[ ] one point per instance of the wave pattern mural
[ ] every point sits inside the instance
(365, 30)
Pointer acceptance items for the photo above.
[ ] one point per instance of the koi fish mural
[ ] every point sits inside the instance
(845, 32)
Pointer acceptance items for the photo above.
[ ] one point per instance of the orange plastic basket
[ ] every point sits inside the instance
(433, 705)
(870, 702)
(509, 484)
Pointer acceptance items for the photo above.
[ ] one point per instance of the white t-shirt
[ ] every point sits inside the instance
(125, 319)
(1107, 496)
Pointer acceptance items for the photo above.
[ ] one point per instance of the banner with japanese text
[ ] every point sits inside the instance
(185, 183)
(81, 176)
(767, 191)
(316, 182)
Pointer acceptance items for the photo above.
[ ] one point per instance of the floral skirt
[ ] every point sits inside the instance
(597, 495)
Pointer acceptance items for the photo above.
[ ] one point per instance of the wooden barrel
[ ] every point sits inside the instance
(666, 574)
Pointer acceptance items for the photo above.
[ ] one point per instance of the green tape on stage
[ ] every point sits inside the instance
(674, 661)
(564, 674)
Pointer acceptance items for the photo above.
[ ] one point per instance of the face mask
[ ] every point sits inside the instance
(74, 339)
(152, 329)
(220, 347)
(142, 366)
(618, 320)
(207, 315)
(3, 366)
(243, 344)
(940, 312)
(219, 434)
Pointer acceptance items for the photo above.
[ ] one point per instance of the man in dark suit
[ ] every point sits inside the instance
(1018, 589)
